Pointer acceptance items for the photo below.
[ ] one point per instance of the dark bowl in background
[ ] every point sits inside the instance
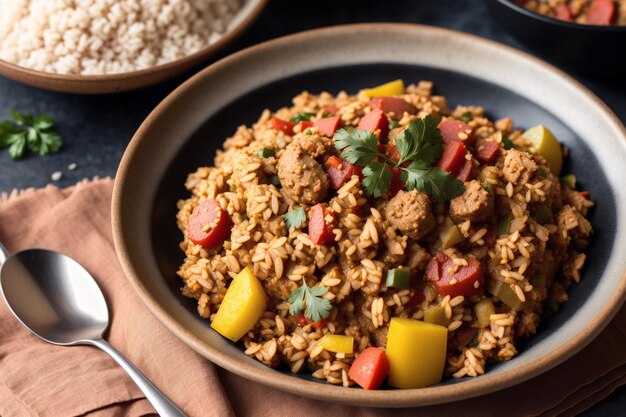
(585, 49)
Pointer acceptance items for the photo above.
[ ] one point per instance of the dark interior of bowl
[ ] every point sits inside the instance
(587, 49)
(498, 102)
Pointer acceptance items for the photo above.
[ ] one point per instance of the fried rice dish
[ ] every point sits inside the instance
(382, 238)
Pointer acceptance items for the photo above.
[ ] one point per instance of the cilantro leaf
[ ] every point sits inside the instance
(27, 132)
(420, 140)
(508, 143)
(304, 116)
(435, 182)
(359, 146)
(295, 218)
(377, 179)
(311, 301)
(466, 117)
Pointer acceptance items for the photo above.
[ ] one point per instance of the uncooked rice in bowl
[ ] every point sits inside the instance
(89, 37)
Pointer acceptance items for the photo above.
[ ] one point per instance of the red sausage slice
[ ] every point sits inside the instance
(465, 174)
(373, 121)
(321, 225)
(394, 105)
(601, 12)
(327, 126)
(563, 12)
(487, 152)
(450, 130)
(453, 157)
(209, 224)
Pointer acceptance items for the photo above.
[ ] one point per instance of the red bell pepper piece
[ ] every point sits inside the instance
(328, 126)
(304, 125)
(487, 152)
(451, 279)
(209, 224)
(585, 194)
(601, 12)
(321, 224)
(283, 125)
(450, 130)
(373, 121)
(370, 368)
(394, 105)
(396, 182)
(563, 12)
(301, 321)
(340, 171)
(453, 157)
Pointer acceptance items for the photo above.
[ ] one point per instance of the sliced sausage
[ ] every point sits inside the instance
(518, 167)
(474, 204)
(411, 213)
(303, 178)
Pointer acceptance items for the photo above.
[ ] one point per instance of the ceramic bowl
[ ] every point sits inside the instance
(183, 132)
(587, 49)
(113, 83)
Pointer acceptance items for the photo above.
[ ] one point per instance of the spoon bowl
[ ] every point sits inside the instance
(54, 297)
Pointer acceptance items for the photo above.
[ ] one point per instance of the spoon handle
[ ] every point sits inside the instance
(163, 405)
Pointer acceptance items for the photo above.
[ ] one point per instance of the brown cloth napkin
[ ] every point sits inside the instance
(38, 379)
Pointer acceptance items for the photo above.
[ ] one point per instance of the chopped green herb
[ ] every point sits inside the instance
(304, 116)
(542, 173)
(420, 144)
(295, 218)
(325, 115)
(398, 278)
(542, 215)
(308, 131)
(393, 124)
(474, 342)
(311, 301)
(27, 132)
(552, 307)
(467, 117)
(488, 187)
(266, 153)
(508, 143)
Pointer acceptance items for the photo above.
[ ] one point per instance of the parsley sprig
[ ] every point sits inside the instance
(303, 116)
(419, 145)
(311, 301)
(295, 218)
(27, 132)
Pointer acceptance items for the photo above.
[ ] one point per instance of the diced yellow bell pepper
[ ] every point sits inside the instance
(547, 146)
(243, 305)
(337, 343)
(416, 351)
(392, 88)
(436, 315)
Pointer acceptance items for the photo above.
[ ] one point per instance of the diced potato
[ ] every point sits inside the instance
(450, 236)
(392, 88)
(436, 315)
(484, 309)
(547, 146)
(243, 305)
(337, 343)
(416, 351)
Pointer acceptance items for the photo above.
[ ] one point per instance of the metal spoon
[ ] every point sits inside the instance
(57, 300)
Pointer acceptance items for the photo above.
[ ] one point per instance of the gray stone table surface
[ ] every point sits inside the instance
(96, 129)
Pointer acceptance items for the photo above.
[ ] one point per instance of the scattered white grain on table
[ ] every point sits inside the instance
(72, 166)
(108, 36)
(56, 175)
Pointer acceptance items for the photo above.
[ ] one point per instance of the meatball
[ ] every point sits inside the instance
(303, 179)
(475, 204)
(410, 212)
(518, 167)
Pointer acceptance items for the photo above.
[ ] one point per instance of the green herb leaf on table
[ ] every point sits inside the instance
(295, 218)
(304, 116)
(311, 301)
(27, 132)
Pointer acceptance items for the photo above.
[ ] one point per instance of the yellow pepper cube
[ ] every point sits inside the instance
(337, 343)
(392, 88)
(416, 351)
(547, 145)
(243, 305)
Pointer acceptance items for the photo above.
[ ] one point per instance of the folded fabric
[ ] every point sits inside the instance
(38, 379)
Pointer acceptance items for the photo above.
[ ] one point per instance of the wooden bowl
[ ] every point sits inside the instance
(124, 81)
(183, 132)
